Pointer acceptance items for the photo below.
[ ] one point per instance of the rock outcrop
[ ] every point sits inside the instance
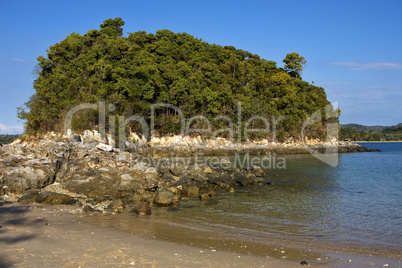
(102, 177)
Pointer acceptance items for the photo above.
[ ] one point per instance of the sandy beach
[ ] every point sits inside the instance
(50, 236)
(55, 236)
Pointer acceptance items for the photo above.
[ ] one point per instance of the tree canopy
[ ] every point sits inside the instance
(142, 69)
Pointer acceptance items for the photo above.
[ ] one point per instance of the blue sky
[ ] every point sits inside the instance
(353, 48)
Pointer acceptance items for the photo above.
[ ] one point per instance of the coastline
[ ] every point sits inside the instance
(52, 166)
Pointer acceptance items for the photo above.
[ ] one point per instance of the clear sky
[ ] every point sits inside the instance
(353, 48)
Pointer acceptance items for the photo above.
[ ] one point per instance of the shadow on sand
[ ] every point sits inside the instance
(12, 216)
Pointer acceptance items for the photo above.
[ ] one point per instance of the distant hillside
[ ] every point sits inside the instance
(5, 139)
(369, 129)
(371, 133)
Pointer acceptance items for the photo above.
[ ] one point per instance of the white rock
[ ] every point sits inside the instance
(105, 147)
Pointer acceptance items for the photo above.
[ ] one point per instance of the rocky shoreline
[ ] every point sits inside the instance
(98, 177)
(278, 149)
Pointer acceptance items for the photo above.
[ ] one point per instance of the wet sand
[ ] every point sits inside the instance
(35, 236)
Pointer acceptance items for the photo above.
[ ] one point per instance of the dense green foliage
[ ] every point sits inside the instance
(371, 133)
(142, 69)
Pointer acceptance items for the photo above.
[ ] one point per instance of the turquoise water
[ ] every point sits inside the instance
(357, 203)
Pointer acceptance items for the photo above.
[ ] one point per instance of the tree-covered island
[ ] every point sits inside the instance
(206, 80)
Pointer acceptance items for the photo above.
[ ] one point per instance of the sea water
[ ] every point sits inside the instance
(357, 204)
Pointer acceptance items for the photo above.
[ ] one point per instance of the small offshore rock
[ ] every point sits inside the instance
(304, 263)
